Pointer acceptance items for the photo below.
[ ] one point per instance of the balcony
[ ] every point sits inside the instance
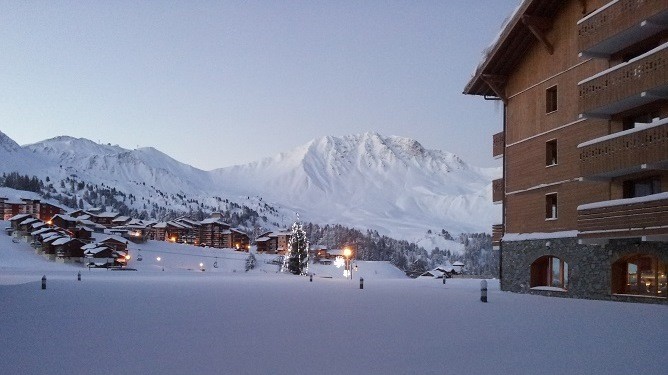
(497, 234)
(499, 145)
(619, 24)
(626, 152)
(639, 81)
(497, 190)
(622, 218)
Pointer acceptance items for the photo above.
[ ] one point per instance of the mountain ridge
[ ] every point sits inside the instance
(387, 183)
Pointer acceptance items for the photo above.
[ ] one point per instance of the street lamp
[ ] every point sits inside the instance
(163, 264)
(349, 265)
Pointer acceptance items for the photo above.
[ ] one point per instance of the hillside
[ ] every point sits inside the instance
(392, 185)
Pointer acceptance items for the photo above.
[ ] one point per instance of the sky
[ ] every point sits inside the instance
(220, 83)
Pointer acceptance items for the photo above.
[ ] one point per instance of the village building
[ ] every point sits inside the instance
(584, 146)
(34, 207)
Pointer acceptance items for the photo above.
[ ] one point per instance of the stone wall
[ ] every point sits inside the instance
(589, 266)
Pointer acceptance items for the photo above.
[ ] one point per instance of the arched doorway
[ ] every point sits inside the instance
(639, 274)
(549, 271)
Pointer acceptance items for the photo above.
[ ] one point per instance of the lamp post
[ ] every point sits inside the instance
(163, 264)
(349, 265)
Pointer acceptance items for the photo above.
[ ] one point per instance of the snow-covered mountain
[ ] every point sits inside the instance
(390, 184)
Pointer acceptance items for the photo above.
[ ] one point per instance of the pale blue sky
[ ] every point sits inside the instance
(219, 83)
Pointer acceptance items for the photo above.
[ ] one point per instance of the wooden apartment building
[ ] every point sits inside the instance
(584, 143)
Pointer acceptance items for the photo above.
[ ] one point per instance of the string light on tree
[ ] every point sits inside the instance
(296, 256)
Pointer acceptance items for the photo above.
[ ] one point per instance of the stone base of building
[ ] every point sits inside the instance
(589, 273)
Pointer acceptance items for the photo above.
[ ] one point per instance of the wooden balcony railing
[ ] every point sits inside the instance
(645, 216)
(498, 144)
(497, 190)
(497, 234)
(612, 91)
(614, 19)
(613, 156)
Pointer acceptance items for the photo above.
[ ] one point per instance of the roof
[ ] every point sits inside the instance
(18, 217)
(115, 238)
(262, 239)
(515, 40)
(121, 219)
(65, 217)
(61, 241)
(108, 214)
(28, 221)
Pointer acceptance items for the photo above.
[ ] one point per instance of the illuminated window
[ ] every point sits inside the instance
(639, 274)
(551, 206)
(549, 271)
(551, 99)
(551, 152)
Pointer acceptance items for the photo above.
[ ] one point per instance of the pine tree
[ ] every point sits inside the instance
(296, 258)
(250, 262)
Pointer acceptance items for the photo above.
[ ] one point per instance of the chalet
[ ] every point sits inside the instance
(211, 232)
(98, 255)
(435, 273)
(15, 220)
(82, 233)
(192, 231)
(64, 221)
(68, 249)
(48, 247)
(115, 242)
(120, 220)
(34, 207)
(105, 218)
(273, 242)
(584, 147)
(236, 239)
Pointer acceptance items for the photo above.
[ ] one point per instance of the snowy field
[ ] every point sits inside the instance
(181, 321)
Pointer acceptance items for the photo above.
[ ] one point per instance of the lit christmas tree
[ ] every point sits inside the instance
(296, 257)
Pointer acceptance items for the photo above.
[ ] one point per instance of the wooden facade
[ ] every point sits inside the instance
(584, 142)
(595, 92)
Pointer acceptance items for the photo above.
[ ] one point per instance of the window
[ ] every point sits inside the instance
(631, 122)
(639, 274)
(549, 271)
(551, 206)
(551, 99)
(641, 187)
(551, 152)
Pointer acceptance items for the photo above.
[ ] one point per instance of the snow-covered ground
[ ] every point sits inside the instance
(227, 321)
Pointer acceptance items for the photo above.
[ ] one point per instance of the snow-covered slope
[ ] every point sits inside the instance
(115, 165)
(390, 184)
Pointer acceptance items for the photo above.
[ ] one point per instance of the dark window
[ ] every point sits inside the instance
(551, 152)
(641, 187)
(551, 206)
(551, 99)
(630, 122)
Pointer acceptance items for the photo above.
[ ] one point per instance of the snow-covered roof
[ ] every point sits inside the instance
(41, 230)
(96, 249)
(51, 234)
(115, 238)
(61, 241)
(458, 264)
(18, 217)
(28, 221)
(51, 239)
(65, 217)
(160, 225)
(121, 219)
(108, 214)
(38, 224)
(90, 246)
(262, 239)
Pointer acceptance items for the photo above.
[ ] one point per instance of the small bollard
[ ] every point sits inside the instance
(79, 276)
(310, 277)
(44, 282)
(361, 283)
(483, 291)
(443, 279)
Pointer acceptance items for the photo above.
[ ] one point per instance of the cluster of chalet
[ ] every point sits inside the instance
(67, 236)
(68, 245)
